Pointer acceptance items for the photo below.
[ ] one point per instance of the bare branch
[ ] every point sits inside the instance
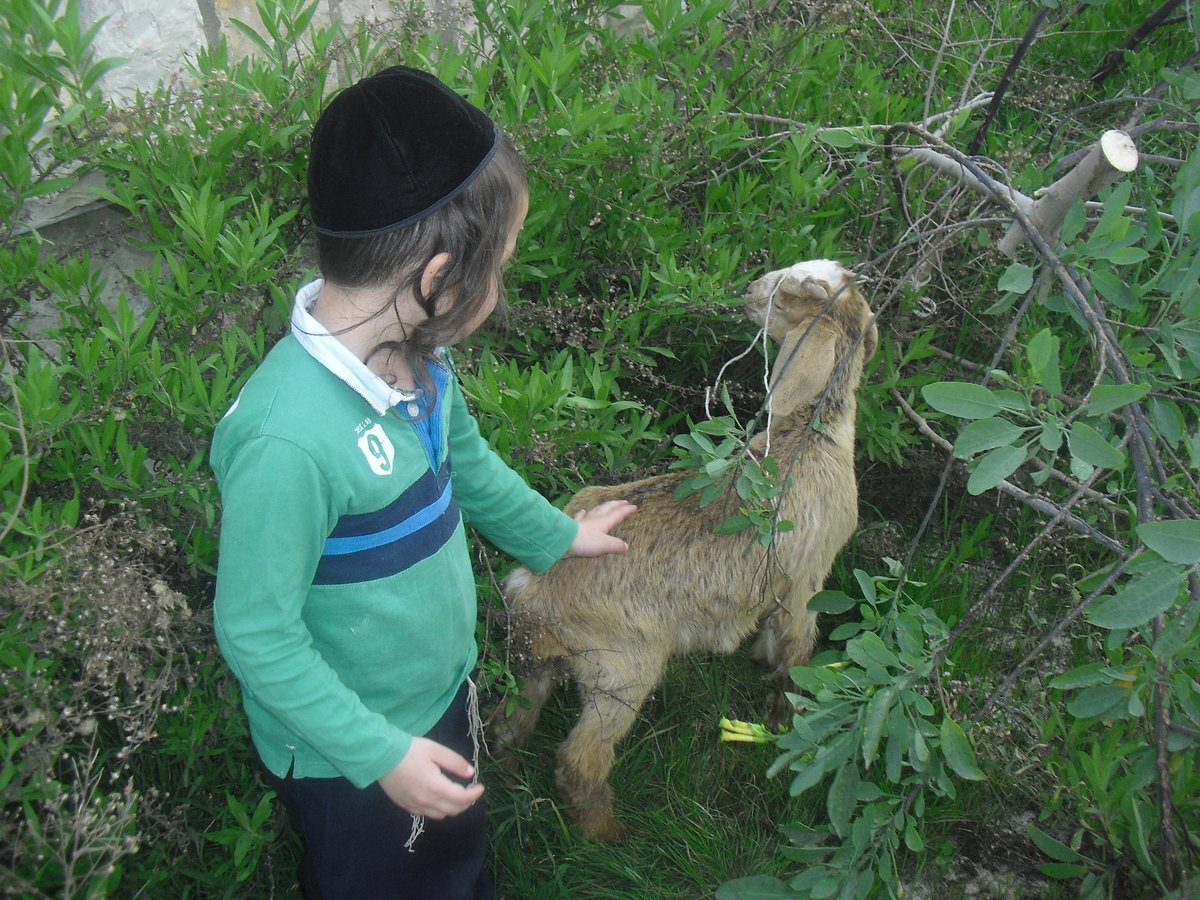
(1052, 635)
(1115, 58)
(1113, 156)
(1031, 35)
(24, 438)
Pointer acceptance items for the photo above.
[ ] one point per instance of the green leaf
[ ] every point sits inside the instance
(962, 399)
(1080, 469)
(842, 797)
(870, 650)
(1167, 418)
(808, 775)
(1051, 436)
(877, 710)
(1081, 676)
(844, 138)
(1131, 807)
(1125, 256)
(985, 434)
(1042, 353)
(867, 584)
(1139, 601)
(1103, 700)
(1114, 289)
(1052, 847)
(834, 602)
(1177, 634)
(845, 631)
(958, 752)
(732, 525)
(994, 467)
(1017, 279)
(912, 837)
(1113, 224)
(1063, 871)
(1088, 445)
(1177, 540)
(755, 887)
(1107, 397)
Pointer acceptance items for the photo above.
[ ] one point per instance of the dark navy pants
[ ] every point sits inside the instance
(354, 839)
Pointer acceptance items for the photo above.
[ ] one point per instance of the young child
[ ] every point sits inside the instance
(345, 601)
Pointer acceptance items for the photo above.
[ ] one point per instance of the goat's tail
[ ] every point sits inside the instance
(530, 624)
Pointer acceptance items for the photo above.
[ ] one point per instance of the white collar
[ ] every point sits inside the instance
(326, 349)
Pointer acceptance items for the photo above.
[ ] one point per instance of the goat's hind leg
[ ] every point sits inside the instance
(610, 702)
(543, 669)
(510, 731)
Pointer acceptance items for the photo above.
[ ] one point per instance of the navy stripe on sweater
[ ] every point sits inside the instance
(374, 545)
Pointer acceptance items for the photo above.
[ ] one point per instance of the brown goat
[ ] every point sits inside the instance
(612, 623)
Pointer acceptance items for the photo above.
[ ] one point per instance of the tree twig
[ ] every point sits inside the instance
(1053, 634)
(1115, 58)
(1031, 35)
(24, 439)
(1143, 454)
(1039, 504)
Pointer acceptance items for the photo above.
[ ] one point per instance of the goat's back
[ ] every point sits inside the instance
(681, 582)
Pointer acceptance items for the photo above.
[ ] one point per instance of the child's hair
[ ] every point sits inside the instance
(472, 229)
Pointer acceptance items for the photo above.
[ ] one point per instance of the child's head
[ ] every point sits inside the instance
(402, 171)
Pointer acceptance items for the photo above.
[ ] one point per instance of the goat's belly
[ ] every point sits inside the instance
(718, 626)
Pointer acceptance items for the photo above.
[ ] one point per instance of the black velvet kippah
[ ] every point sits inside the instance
(390, 150)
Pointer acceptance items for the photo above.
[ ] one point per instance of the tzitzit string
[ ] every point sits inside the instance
(475, 723)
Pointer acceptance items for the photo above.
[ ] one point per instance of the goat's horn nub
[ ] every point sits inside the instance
(810, 285)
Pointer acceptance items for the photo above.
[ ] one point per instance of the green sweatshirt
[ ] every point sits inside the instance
(345, 601)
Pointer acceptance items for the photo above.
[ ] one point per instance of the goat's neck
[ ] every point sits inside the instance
(828, 407)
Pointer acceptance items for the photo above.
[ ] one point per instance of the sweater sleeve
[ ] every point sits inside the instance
(497, 501)
(259, 599)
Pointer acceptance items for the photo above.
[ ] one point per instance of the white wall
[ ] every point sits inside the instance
(157, 36)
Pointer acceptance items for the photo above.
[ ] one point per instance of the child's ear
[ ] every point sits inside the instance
(433, 273)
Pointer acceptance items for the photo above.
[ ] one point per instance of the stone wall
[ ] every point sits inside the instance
(157, 36)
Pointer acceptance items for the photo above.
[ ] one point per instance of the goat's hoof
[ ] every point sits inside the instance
(606, 830)
(506, 758)
(781, 712)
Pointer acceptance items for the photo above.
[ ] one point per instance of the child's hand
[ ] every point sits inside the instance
(594, 527)
(419, 783)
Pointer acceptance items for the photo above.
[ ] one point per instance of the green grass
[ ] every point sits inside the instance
(699, 811)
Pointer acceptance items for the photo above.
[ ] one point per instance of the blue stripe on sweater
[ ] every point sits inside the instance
(374, 545)
(340, 546)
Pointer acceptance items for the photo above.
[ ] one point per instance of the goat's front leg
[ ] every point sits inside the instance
(611, 700)
(786, 640)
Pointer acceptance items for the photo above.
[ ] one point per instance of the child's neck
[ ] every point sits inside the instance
(347, 314)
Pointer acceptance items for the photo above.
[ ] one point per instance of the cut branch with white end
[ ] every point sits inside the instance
(1112, 157)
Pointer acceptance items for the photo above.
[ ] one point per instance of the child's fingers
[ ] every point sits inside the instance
(451, 762)
(595, 524)
(423, 781)
(453, 799)
(608, 514)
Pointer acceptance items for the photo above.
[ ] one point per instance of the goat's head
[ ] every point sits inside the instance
(823, 326)
(809, 291)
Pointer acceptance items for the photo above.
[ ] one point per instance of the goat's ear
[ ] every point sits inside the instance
(794, 291)
(870, 339)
